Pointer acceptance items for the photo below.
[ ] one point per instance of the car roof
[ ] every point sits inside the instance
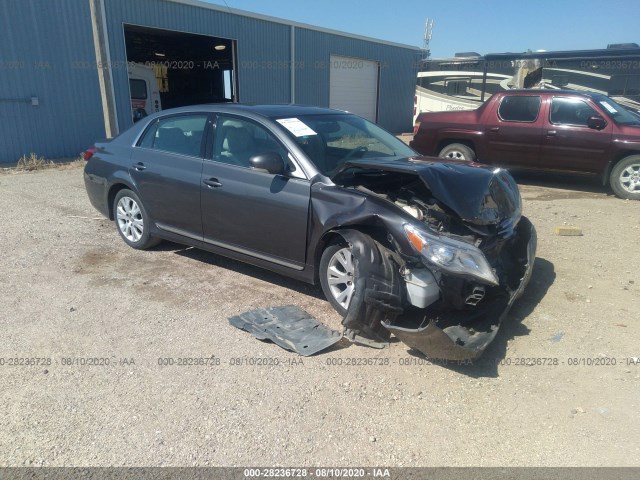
(550, 91)
(271, 111)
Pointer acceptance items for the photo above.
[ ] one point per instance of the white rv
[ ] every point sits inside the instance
(467, 80)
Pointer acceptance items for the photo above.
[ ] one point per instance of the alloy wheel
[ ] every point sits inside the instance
(341, 276)
(630, 178)
(129, 218)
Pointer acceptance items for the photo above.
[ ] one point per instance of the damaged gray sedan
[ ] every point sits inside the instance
(434, 252)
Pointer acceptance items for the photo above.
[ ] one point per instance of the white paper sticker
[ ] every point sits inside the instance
(608, 107)
(296, 127)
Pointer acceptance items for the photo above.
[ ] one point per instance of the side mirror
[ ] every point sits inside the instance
(269, 162)
(596, 122)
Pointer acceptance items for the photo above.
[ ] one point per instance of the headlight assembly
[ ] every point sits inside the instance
(450, 255)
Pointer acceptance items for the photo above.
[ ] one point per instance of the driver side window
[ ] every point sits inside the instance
(237, 140)
(570, 111)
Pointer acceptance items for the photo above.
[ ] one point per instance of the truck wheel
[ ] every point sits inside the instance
(625, 178)
(458, 151)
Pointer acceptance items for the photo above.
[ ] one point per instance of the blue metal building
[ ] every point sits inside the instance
(64, 80)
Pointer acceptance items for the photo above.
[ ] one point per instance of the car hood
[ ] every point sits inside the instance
(478, 194)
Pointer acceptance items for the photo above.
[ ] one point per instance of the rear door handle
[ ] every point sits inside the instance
(494, 129)
(139, 166)
(212, 183)
(551, 133)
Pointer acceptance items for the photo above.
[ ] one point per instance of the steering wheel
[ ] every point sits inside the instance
(354, 151)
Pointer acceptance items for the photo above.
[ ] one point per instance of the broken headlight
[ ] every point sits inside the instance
(450, 255)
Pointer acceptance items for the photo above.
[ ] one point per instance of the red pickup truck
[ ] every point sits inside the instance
(541, 129)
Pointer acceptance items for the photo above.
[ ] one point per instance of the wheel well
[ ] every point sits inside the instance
(112, 195)
(377, 233)
(448, 141)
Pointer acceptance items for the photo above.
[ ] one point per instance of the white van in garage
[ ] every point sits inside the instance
(145, 95)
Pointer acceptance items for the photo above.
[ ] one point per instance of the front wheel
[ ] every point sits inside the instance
(458, 151)
(338, 276)
(132, 221)
(625, 178)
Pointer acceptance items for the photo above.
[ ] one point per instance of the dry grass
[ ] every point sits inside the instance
(33, 162)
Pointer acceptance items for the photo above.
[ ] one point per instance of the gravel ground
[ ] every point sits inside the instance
(71, 290)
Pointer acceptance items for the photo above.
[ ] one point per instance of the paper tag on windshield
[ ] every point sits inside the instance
(296, 127)
(608, 107)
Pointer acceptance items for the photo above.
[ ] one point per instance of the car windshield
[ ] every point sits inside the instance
(333, 139)
(616, 111)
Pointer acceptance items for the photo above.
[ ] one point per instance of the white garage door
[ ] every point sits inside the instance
(353, 86)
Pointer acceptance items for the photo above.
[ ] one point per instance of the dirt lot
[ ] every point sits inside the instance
(72, 290)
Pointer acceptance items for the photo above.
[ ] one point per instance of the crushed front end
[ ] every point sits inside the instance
(462, 254)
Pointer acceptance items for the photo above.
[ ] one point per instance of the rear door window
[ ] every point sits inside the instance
(176, 134)
(521, 108)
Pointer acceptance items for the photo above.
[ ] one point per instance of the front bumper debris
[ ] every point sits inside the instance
(451, 335)
(290, 327)
(467, 341)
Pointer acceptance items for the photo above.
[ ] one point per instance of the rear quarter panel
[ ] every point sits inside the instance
(108, 167)
(438, 129)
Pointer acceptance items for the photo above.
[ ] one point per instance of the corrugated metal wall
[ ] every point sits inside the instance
(46, 51)
(264, 55)
(397, 73)
(259, 42)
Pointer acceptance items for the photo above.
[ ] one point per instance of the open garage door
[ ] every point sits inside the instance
(173, 69)
(354, 86)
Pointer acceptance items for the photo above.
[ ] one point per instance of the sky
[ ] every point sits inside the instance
(489, 26)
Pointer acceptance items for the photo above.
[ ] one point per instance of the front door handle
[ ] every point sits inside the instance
(212, 183)
(139, 166)
(494, 129)
(551, 133)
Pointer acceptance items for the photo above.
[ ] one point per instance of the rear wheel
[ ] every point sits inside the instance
(338, 276)
(132, 221)
(625, 178)
(458, 151)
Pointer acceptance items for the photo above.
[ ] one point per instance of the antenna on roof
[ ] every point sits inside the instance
(428, 29)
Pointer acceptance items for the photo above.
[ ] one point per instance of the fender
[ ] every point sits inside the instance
(377, 296)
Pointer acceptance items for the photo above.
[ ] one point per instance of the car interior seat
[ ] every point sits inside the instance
(237, 146)
(171, 139)
(565, 114)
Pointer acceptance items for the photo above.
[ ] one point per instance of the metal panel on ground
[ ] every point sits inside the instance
(353, 86)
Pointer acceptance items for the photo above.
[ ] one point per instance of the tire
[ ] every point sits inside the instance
(132, 221)
(458, 151)
(625, 178)
(338, 276)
